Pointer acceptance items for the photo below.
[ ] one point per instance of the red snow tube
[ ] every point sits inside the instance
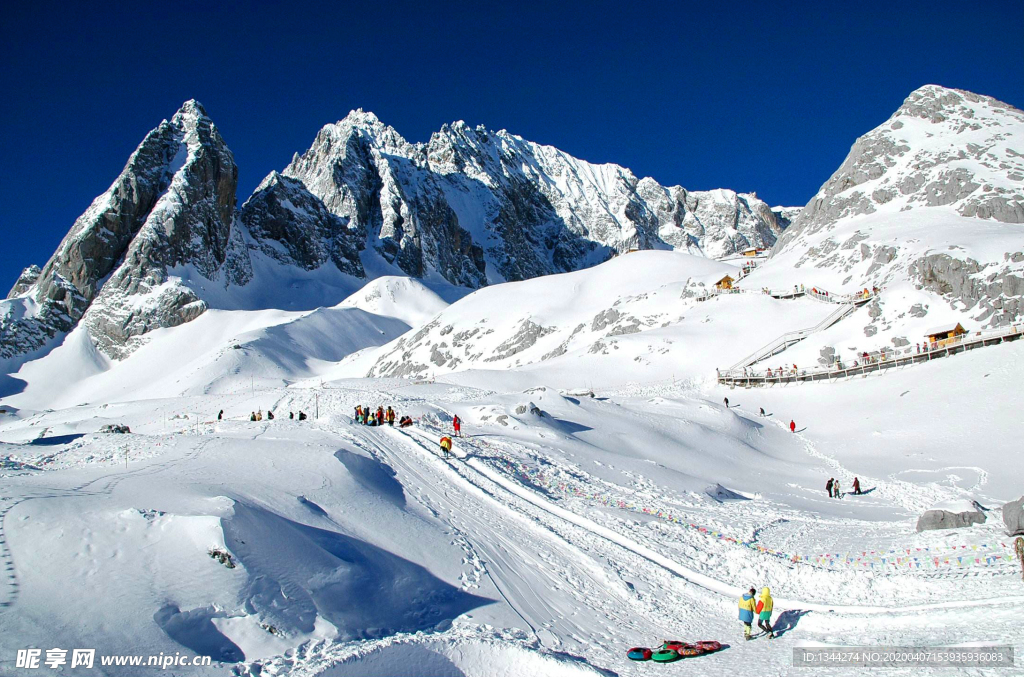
(639, 653)
(682, 648)
(708, 647)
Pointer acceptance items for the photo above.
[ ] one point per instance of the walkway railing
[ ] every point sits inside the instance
(885, 360)
(789, 338)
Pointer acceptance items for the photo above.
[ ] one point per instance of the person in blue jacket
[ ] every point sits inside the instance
(746, 605)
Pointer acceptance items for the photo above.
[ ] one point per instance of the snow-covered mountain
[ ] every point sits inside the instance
(942, 147)
(476, 206)
(469, 207)
(172, 205)
(640, 317)
(933, 200)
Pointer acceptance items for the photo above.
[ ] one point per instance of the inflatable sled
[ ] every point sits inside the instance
(665, 655)
(672, 651)
(639, 653)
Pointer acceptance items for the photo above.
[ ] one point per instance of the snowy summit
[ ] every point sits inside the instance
(475, 406)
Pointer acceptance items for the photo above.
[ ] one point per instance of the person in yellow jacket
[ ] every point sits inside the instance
(764, 612)
(446, 445)
(746, 605)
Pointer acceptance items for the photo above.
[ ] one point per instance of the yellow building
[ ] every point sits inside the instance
(724, 283)
(946, 334)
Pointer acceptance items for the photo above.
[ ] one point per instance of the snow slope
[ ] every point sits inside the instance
(606, 491)
(636, 317)
(571, 527)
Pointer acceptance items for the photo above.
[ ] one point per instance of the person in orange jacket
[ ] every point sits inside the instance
(446, 445)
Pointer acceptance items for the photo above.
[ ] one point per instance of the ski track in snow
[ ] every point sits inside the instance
(696, 578)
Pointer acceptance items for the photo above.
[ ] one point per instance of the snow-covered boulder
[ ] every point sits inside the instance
(951, 515)
(1013, 516)
(529, 407)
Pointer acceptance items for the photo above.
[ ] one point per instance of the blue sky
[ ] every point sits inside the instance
(704, 95)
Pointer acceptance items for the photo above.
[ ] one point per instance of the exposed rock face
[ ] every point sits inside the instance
(1013, 516)
(942, 147)
(934, 196)
(479, 206)
(470, 205)
(785, 216)
(943, 519)
(189, 227)
(294, 227)
(28, 277)
(171, 205)
(998, 294)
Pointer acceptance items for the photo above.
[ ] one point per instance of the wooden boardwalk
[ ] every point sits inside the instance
(748, 378)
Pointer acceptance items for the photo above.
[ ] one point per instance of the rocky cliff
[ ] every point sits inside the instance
(478, 206)
(470, 207)
(172, 205)
(935, 197)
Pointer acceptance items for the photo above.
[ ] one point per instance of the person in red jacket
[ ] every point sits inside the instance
(792, 426)
(856, 485)
(457, 424)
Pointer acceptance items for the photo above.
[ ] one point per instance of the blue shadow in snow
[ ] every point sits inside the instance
(11, 385)
(570, 427)
(376, 476)
(55, 440)
(298, 572)
(195, 630)
(787, 621)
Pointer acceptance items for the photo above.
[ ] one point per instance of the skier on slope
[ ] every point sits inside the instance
(446, 445)
(828, 486)
(726, 402)
(792, 426)
(457, 425)
(220, 415)
(746, 605)
(856, 485)
(764, 612)
(762, 411)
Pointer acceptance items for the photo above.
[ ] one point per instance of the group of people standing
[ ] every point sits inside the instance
(381, 416)
(258, 415)
(832, 487)
(762, 607)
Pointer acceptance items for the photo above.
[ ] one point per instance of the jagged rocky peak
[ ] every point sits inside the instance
(25, 281)
(289, 224)
(942, 147)
(172, 205)
(476, 205)
(471, 205)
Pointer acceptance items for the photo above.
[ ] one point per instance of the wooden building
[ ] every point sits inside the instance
(946, 334)
(725, 283)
